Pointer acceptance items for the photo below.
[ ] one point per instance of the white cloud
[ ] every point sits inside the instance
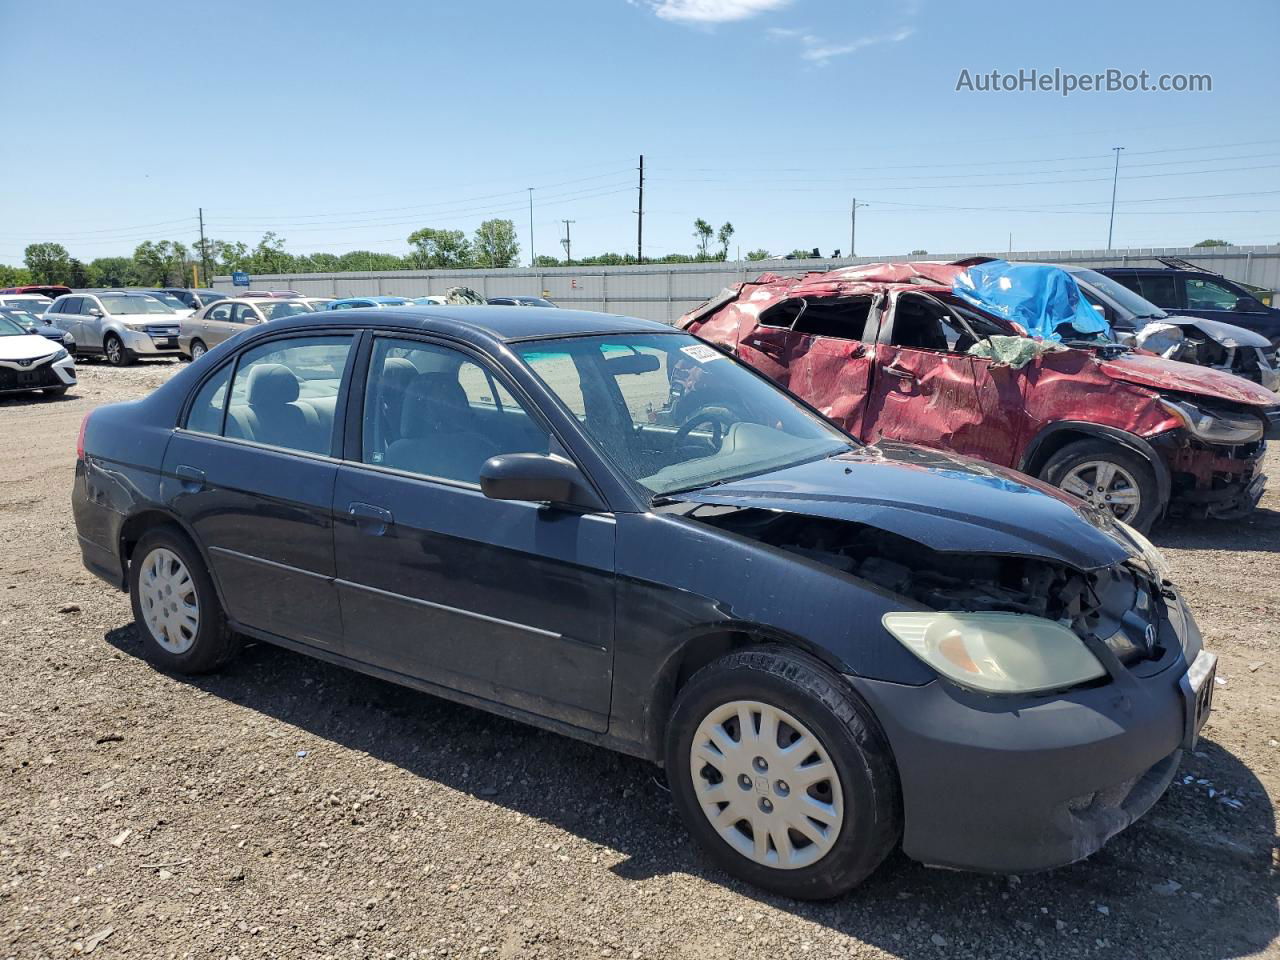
(710, 11)
(819, 50)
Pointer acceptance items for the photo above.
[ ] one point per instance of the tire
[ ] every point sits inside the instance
(55, 391)
(1131, 475)
(113, 349)
(863, 808)
(164, 557)
(198, 349)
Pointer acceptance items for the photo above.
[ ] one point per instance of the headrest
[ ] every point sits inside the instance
(397, 372)
(434, 403)
(272, 384)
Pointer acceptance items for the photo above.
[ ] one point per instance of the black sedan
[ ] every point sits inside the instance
(613, 530)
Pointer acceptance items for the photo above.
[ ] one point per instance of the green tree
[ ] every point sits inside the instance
(269, 256)
(702, 233)
(14, 276)
(1215, 243)
(369, 260)
(161, 263)
(113, 272)
(317, 263)
(544, 260)
(48, 262)
(495, 244)
(724, 235)
(78, 275)
(761, 254)
(439, 249)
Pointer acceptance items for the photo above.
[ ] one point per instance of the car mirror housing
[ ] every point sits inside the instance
(540, 478)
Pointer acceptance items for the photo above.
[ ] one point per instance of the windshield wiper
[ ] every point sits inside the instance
(670, 495)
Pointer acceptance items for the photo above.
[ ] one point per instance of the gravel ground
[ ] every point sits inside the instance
(289, 809)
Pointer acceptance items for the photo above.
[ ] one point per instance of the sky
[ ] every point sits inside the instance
(345, 126)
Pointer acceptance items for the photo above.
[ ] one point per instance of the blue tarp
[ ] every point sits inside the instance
(1040, 298)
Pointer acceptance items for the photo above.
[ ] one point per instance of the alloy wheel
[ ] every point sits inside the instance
(115, 351)
(767, 784)
(198, 350)
(170, 605)
(1102, 483)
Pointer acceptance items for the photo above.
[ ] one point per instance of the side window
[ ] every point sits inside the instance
(560, 373)
(243, 313)
(221, 312)
(419, 417)
(206, 411)
(921, 324)
(56, 306)
(782, 315)
(285, 393)
(1207, 295)
(1161, 289)
(71, 305)
(842, 319)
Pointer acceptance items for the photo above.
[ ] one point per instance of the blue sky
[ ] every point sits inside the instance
(344, 126)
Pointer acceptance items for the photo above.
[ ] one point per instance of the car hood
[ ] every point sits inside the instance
(946, 502)
(29, 346)
(149, 319)
(1161, 374)
(1227, 334)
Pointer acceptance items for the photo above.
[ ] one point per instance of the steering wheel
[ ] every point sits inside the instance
(720, 418)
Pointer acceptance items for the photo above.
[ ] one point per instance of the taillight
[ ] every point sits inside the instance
(80, 439)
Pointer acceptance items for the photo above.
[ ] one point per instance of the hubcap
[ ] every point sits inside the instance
(197, 351)
(1105, 484)
(167, 595)
(766, 784)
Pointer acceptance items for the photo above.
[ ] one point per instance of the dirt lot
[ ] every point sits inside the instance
(290, 809)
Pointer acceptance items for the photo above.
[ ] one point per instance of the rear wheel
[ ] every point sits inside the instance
(782, 774)
(175, 606)
(114, 350)
(198, 349)
(1107, 475)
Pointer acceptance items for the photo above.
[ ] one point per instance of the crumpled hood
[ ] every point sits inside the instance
(1161, 374)
(1227, 334)
(944, 501)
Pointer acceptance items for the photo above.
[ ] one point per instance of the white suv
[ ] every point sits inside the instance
(118, 325)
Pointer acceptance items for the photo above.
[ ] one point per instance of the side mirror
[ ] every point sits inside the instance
(95, 312)
(538, 478)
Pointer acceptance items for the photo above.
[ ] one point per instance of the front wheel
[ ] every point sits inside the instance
(782, 774)
(176, 607)
(114, 350)
(1107, 475)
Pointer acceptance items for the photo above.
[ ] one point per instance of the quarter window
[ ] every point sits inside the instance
(435, 412)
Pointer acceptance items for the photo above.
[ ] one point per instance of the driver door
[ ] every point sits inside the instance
(927, 389)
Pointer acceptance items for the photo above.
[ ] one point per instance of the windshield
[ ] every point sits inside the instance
(674, 414)
(534, 302)
(288, 308)
(169, 300)
(133, 303)
(10, 329)
(21, 317)
(34, 304)
(1128, 300)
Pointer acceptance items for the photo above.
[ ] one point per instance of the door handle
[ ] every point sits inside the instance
(191, 477)
(370, 519)
(900, 373)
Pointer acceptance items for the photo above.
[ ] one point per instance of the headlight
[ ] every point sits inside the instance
(1215, 426)
(1151, 555)
(68, 339)
(996, 652)
(60, 355)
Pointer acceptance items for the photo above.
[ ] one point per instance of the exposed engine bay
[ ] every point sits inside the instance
(1107, 603)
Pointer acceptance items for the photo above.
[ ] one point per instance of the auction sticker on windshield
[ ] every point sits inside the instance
(701, 352)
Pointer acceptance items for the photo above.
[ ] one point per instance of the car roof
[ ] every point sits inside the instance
(508, 324)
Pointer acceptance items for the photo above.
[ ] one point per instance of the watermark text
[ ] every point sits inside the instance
(1065, 83)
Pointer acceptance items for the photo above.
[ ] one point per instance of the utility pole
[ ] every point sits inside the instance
(532, 258)
(568, 250)
(1114, 180)
(204, 250)
(853, 224)
(640, 217)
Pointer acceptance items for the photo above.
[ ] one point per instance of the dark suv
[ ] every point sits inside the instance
(1199, 293)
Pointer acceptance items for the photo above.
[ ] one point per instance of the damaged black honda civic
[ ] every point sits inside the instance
(615, 531)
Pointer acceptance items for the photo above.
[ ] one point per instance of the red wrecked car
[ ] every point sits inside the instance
(883, 350)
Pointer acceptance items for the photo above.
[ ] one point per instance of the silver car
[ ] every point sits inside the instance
(120, 326)
(206, 328)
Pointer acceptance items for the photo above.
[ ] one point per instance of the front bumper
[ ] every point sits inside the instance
(1018, 787)
(15, 378)
(144, 343)
(1216, 481)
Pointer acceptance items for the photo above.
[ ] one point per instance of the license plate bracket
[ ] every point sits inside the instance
(1197, 691)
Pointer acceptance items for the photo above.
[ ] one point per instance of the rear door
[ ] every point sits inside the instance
(769, 344)
(508, 601)
(829, 358)
(252, 472)
(1219, 300)
(927, 389)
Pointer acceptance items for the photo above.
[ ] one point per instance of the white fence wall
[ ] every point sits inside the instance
(665, 291)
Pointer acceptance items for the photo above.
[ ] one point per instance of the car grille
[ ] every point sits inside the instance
(155, 331)
(42, 376)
